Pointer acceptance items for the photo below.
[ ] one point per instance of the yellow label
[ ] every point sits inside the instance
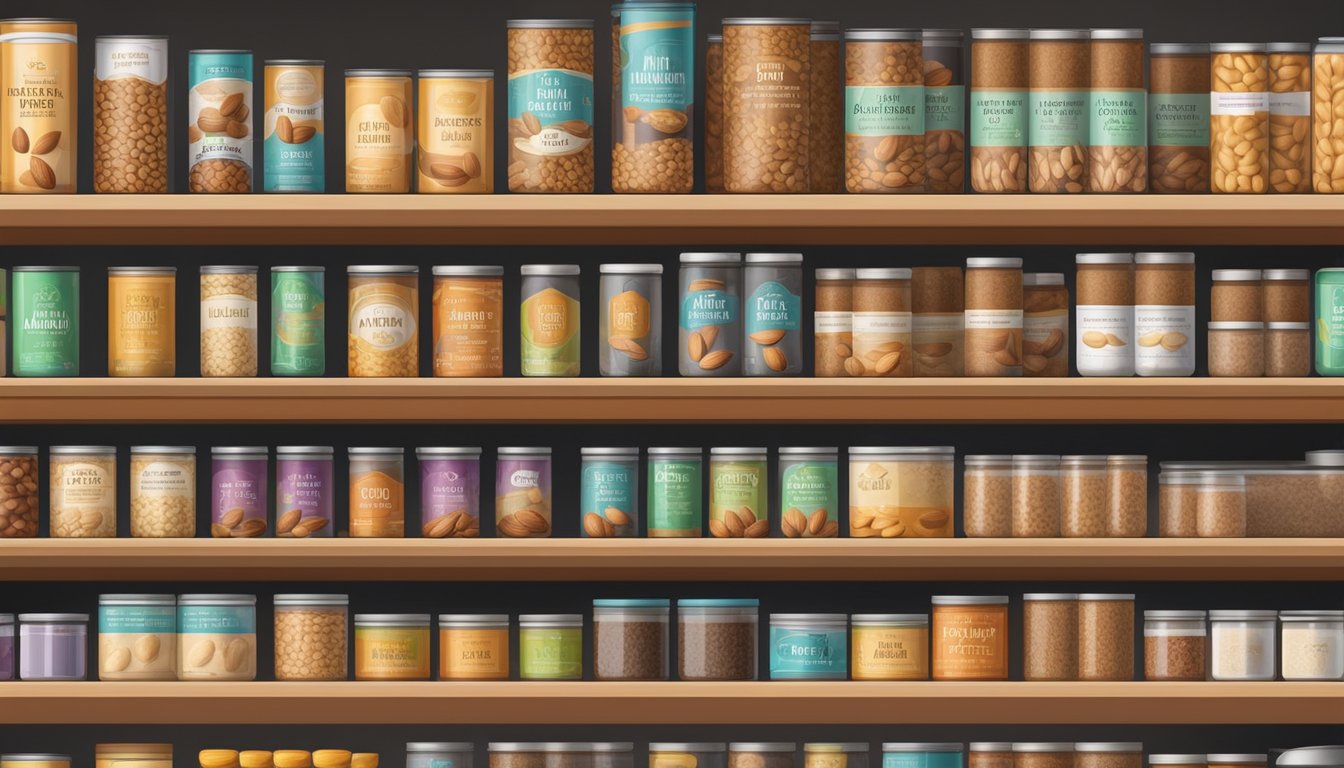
(141, 339)
(672, 760)
(392, 653)
(456, 141)
(890, 653)
(468, 326)
(38, 82)
(474, 654)
(826, 760)
(551, 317)
(378, 125)
(628, 316)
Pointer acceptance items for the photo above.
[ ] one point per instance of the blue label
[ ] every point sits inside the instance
(207, 66)
(136, 619)
(295, 167)
(552, 95)
(773, 308)
(658, 57)
(799, 655)
(702, 308)
(216, 619)
(607, 484)
(921, 760)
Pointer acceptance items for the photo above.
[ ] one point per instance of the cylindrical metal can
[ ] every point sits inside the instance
(130, 114)
(39, 150)
(653, 131)
(550, 105)
(384, 306)
(228, 321)
(456, 140)
(141, 338)
(298, 319)
(379, 130)
(46, 321)
(468, 324)
(220, 131)
(295, 127)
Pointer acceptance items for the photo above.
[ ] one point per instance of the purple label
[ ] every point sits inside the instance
(305, 485)
(513, 475)
(447, 485)
(239, 484)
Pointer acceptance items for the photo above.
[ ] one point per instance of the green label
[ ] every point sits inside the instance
(298, 341)
(1329, 326)
(46, 323)
(999, 118)
(737, 484)
(943, 109)
(658, 57)
(1178, 119)
(606, 484)
(674, 496)
(1118, 119)
(1058, 118)
(136, 619)
(809, 486)
(884, 110)
(550, 334)
(550, 654)
(772, 307)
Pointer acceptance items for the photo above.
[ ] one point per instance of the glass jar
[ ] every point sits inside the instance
(1242, 645)
(630, 323)
(709, 314)
(550, 320)
(630, 639)
(1040, 754)
(228, 321)
(1000, 79)
(468, 321)
(993, 316)
(1117, 119)
(550, 139)
(550, 646)
(134, 755)
(697, 754)
(739, 499)
(713, 146)
(826, 110)
(1127, 496)
(53, 646)
(163, 491)
(1105, 637)
(884, 121)
(474, 646)
(1060, 83)
(938, 309)
(675, 482)
(716, 639)
(1329, 54)
(304, 491)
(987, 503)
(1050, 636)
(889, 646)
(944, 111)
(298, 321)
(311, 636)
(1220, 505)
(809, 646)
(809, 493)
(440, 754)
(1312, 645)
(1178, 118)
(384, 316)
(833, 324)
(1287, 349)
(901, 492)
(1239, 129)
(829, 755)
(1164, 314)
(20, 497)
(989, 754)
(1177, 501)
(970, 637)
(1045, 325)
(882, 322)
(1236, 296)
(1036, 496)
(450, 492)
(137, 637)
(1290, 140)
(766, 121)
(1108, 754)
(7, 646)
(1287, 295)
(609, 493)
(523, 492)
(238, 507)
(920, 755)
(1237, 761)
(653, 98)
(769, 754)
(1185, 761)
(377, 492)
(391, 646)
(83, 491)
(217, 637)
(1105, 314)
(1175, 645)
(772, 315)
(1084, 498)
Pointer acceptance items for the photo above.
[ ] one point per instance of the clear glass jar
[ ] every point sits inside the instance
(1177, 501)
(1220, 505)
(1184, 761)
(630, 322)
(1104, 315)
(1178, 118)
(1000, 78)
(1050, 636)
(20, 498)
(609, 493)
(1040, 754)
(1287, 295)
(826, 110)
(713, 146)
(987, 504)
(304, 491)
(944, 111)
(766, 123)
(630, 639)
(1237, 761)
(440, 754)
(384, 317)
(7, 646)
(828, 755)
(391, 646)
(993, 341)
(1242, 645)
(474, 646)
(1084, 496)
(1312, 645)
(217, 637)
(53, 646)
(238, 496)
(768, 754)
(523, 492)
(1105, 637)
(704, 754)
(709, 314)
(377, 492)
(1036, 496)
(809, 493)
(311, 636)
(163, 491)
(882, 322)
(809, 646)
(228, 321)
(772, 314)
(137, 637)
(901, 492)
(1164, 314)
(1175, 645)
(1117, 120)
(1236, 296)
(83, 491)
(1239, 128)
(1127, 496)
(1287, 349)
(653, 98)
(1237, 349)
(1061, 80)
(550, 147)
(1045, 325)
(889, 646)
(739, 496)
(884, 130)
(938, 322)
(716, 639)
(550, 646)
(550, 330)
(1108, 754)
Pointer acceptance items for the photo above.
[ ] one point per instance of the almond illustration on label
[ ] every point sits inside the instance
(19, 140)
(47, 143)
(393, 111)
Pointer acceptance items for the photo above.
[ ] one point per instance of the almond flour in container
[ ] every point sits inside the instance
(1236, 296)
(993, 316)
(938, 321)
(1126, 496)
(1287, 295)
(989, 754)
(1117, 119)
(1177, 498)
(1287, 349)
(1108, 754)
(1038, 754)
(833, 325)
(1105, 637)
(1237, 349)
(882, 322)
(1045, 325)
(1084, 505)
(1105, 314)
(1175, 645)
(1243, 645)
(1178, 118)
(1036, 496)
(1220, 505)
(1312, 645)
(1060, 85)
(987, 490)
(1049, 636)
(713, 147)
(1164, 314)
(1000, 79)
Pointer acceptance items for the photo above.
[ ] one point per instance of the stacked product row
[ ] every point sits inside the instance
(1050, 111)
(161, 756)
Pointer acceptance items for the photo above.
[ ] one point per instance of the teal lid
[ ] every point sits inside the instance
(652, 602)
(720, 603)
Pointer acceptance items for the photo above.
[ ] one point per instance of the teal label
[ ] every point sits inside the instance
(295, 168)
(943, 108)
(809, 486)
(1329, 324)
(799, 655)
(1058, 118)
(999, 118)
(560, 102)
(216, 619)
(884, 110)
(1178, 119)
(136, 619)
(607, 484)
(202, 66)
(674, 496)
(298, 311)
(46, 323)
(772, 307)
(1118, 119)
(921, 760)
(702, 308)
(658, 57)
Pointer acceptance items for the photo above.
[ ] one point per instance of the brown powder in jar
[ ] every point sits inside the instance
(945, 122)
(738, 759)
(1236, 296)
(629, 650)
(1287, 296)
(1179, 73)
(994, 288)
(987, 503)
(827, 127)
(1000, 64)
(1174, 657)
(1050, 637)
(833, 336)
(1085, 758)
(1176, 509)
(937, 289)
(1036, 499)
(1237, 351)
(1116, 64)
(1051, 759)
(1221, 513)
(882, 295)
(1164, 285)
(1062, 64)
(1083, 509)
(522, 759)
(1000, 756)
(1178, 168)
(1288, 349)
(714, 114)
(1106, 637)
(1107, 285)
(716, 650)
(1127, 497)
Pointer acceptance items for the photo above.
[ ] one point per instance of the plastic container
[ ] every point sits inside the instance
(993, 341)
(1175, 645)
(739, 498)
(1037, 754)
(1084, 499)
(392, 646)
(217, 637)
(766, 120)
(7, 646)
(474, 646)
(944, 111)
(550, 139)
(1237, 296)
(1127, 496)
(704, 754)
(987, 504)
(1287, 349)
(826, 109)
(311, 636)
(1050, 636)
(1059, 129)
(1242, 644)
(809, 646)
(440, 754)
(630, 639)
(1036, 496)
(717, 639)
(970, 637)
(1117, 118)
(383, 321)
(550, 646)
(1312, 645)
(809, 500)
(826, 755)
(137, 637)
(377, 492)
(468, 320)
(523, 492)
(630, 323)
(882, 322)
(1221, 505)
(938, 322)
(770, 754)
(772, 314)
(1108, 754)
(1164, 314)
(1105, 637)
(1045, 325)
(1104, 316)
(922, 754)
(609, 492)
(550, 325)
(53, 646)
(228, 321)
(1178, 118)
(889, 646)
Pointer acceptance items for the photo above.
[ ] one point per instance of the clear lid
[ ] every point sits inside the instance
(549, 270)
(1288, 47)
(1175, 615)
(1331, 616)
(825, 30)
(1042, 279)
(53, 618)
(1238, 759)
(989, 461)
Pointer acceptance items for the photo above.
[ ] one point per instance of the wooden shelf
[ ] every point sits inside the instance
(680, 560)
(671, 400)
(679, 220)
(683, 703)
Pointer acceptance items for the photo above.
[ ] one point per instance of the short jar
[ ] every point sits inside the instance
(1178, 118)
(1220, 505)
(739, 496)
(835, 755)
(550, 646)
(716, 639)
(7, 646)
(217, 637)
(609, 492)
(1104, 316)
(163, 491)
(987, 504)
(1287, 295)
(361, 759)
(1236, 296)
(630, 320)
(474, 646)
(1036, 496)
(53, 646)
(1177, 502)
(1312, 645)
(666, 754)
(83, 491)
(228, 321)
(675, 482)
(1126, 496)
(769, 754)
(1105, 637)
(882, 322)
(440, 754)
(889, 646)
(1164, 314)
(1242, 645)
(1237, 349)
(1050, 636)
(709, 314)
(989, 754)
(1108, 754)
(901, 491)
(809, 646)
(450, 492)
(137, 637)
(630, 639)
(993, 342)
(809, 499)
(1287, 349)
(391, 646)
(1175, 645)
(134, 756)
(1083, 504)
(311, 636)
(523, 492)
(239, 505)
(833, 325)
(1042, 754)
(304, 491)
(970, 637)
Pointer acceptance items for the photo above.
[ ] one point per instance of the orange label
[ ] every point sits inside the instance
(970, 642)
(550, 318)
(468, 326)
(474, 654)
(377, 506)
(392, 653)
(628, 316)
(38, 86)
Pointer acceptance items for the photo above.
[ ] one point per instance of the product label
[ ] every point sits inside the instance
(672, 760)
(305, 484)
(674, 498)
(921, 760)
(1100, 327)
(891, 654)
(166, 479)
(1329, 326)
(84, 485)
(772, 307)
(448, 486)
(1178, 119)
(216, 620)
(555, 654)
(294, 128)
(884, 110)
(456, 147)
(709, 307)
(554, 108)
(377, 505)
(1166, 340)
(832, 322)
(999, 118)
(1117, 119)
(993, 319)
(1291, 104)
(382, 316)
(969, 643)
(657, 55)
(228, 311)
(628, 316)
(550, 334)
(378, 128)
(943, 109)
(391, 653)
(46, 323)
(38, 85)
(141, 337)
(737, 484)
(809, 486)
(1058, 118)
(143, 59)
(474, 654)
(241, 488)
(888, 324)
(605, 485)
(298, 340)
(807, 655)
(136, 619)
(1234, 103)
(468, 327)
(219, 104)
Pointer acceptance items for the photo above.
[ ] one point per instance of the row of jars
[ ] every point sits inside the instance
(150, 755)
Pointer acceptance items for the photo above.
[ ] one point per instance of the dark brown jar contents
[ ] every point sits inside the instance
(1108, 755)
(1061, 73)
(713, 113)
(716, 650)
(1287, 295)
(938, 304)
(993, 317)
(827, 128)
(989, 755)
(1164, 285)
(1042, 755)
(1050, 636)
(1236, 296)
(1178, 152)
(1106, 637)
(759, 756)
(944, 115)
(629, 650)
(1174, 657)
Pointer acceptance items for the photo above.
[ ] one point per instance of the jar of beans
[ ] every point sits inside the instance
(311, 637)
(716, 639)
(1175, 645)
(630, 639)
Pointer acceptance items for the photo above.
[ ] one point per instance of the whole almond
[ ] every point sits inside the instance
(816, 522)
(532, 520)
(236, 653)
(894, 531)
(616, 516)
(210, 120)
(854, 366)
(767, 338)
(888, 363)
(629, 347)
(19, 140)
(934, 349)
(231, 518)
(775, 359)
(43, 176)
(710, 333)
(666, 120)
(229, 106)
(26, 179)
(236, 129)
(47, 143)
(535, 496)
(733, 523)
(758, 530)
(705, 284)
(1173, 340)
(456, 520)
(302, 133)
(242, 113)
(862, 521)
(447, 172)
(118, 660)
(315, 523)
(843, 350)
(695, 346)
(1007, 358)
(1054, 342)
(1030, 347)
(1094, 339)
(1151, 338)
(393, 111)
(531, 123)
(250, 529)
(715, 360)
(594, 525)
(284, 128)
(793, 523)
(829, 530)
(886, 149)
(471, 164)
(218, 531)
(437, 528)
(147, 648)
(1034, 363)
(746, 516)
(510, 527)
(201, 653)
(719, 530)
(1114, 341)
(880, 523)
(933, 520)
(194, 133)
(287, 520)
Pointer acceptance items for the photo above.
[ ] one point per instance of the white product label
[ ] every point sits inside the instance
(882, 323)
(383, 326)
(1165, 337)
(993, 319)
(145, 59)
(228, 311)
(83, 484)
(1099, 326)
(213, 141)
(938, 322)
(833, 322)
(1295, 104)
(165, 479)
(1224, 103)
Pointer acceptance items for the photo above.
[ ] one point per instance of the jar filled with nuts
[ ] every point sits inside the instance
(993, 316)
(550, 139)
(808, 493)
(738, 493)
(884, 114)
(1117, 120)
(769, 754)
(766, 104)
(609, 493)
(709, 315)
(220, 132)
(523, 492)
(304, 491)
(1289, 117)
(217, 637)
(1000, 79)
(833, 323)
(19, 495)
(1327, 108)
(83, 491)
(1178, 118)
(379, 131)
(450, 492)
(826, 109)
(937, 322)
(1061, 77)
(137, 637)
(1239, 106)
(163, 491)
(882, 323)
(653, 98)
(772, 315)
(130, 124)
(310, 636)
(944, 111)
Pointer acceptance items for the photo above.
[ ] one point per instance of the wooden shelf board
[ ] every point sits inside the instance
(683, 560)
(686, 703)
(671, 400)
(670, 220)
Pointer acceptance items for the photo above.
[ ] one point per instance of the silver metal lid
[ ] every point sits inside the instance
(766, 21)
(990, 746)
(1175, 615)
(450, 453)
(989, 460)
(970, 599)
(1311, 615)
(1287, 326)
(1000, 33)
(1285, 274)
(218, 50)
(1238, 759)
(738, 451)
(1179, 49)
(809, 451)
(392, 620)
(300, 268)
(687, 746)
(1060, 34)
(711, 258)
(293, 62)
(550, 270)
(1243, 615)
(375, 451)
(6, 618)
(886, 273)
(82, 450)
(921, 746)
(1104, 258)
(835, 273)
(903, 450)
(1330, 45)
(824, 31)
(1325, 458)
(440, 746)
(1171, 759)
(128, 38)
(1168, 257)
(889, 619)
(377, 73)
(140, 271)
(1117, 34)
(540, 620)
(809, 619)
(1235, 275)
(44, 268)
(1108, 746)
(1040, 597)
(622, 453)
(467, 271)
(630, 269)
(161, 449)
(1037, 279)
(522, 451)
(1042, 746)
(240, 450)
(301, 599)
(1288, 48)
(878, 35)
(228, 269)
(1237, 47)
(35, 757)
(1313, 757)
(672, 452)
(836, 746)
(994, 262)
(377, 269)
(53, 618)
(943, 37)
(714, 38)
(762, 746)
(207, 599)
(456, 74)
(1101, 597)
(468, 620)
(138, 599)
(1235, 325)
(303, 450)
(774, 258)
(549, 24)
